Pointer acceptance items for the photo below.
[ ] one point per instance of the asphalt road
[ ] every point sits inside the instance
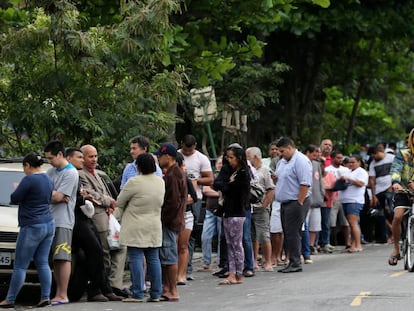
(359, 281)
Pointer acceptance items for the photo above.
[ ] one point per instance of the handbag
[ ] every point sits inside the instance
(257, 192)
(113, 234)
(340, 185)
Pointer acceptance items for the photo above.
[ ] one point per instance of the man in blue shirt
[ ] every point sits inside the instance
(293, 188)
(138, 145)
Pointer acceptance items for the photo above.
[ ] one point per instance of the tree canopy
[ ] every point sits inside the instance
(101, 72)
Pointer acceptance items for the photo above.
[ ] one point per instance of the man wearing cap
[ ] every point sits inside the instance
(172, 218)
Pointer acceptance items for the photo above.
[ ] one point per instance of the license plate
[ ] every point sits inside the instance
(5, 259)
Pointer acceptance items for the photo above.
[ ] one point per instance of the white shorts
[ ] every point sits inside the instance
(314, 219)
(275, 221)
(189, 220)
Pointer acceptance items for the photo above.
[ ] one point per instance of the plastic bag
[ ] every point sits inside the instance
(113, 235)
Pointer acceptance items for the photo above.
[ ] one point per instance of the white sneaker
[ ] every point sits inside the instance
(328, 248)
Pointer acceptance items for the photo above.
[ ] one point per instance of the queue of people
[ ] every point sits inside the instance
(263, 216)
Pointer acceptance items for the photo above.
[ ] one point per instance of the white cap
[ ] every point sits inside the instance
(389, 150)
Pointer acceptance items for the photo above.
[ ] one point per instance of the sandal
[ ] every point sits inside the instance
(228, 282)
(248, 273)
(393, 260)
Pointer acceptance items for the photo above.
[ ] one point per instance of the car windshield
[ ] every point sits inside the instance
(7, 180)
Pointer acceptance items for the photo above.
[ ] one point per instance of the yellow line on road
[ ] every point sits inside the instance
(358, 299)
(399, 273)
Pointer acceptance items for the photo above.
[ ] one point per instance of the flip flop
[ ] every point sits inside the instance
(181, 283)
(166, 298)
(58, 303)
(393, 260)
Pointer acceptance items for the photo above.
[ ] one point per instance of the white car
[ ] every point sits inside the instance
(11, 173)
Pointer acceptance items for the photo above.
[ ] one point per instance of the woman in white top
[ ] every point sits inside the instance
(353, 199)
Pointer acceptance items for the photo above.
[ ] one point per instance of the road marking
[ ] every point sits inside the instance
(399, 273)
(358, 299)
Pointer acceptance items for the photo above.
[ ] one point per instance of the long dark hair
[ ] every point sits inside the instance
(240, 155)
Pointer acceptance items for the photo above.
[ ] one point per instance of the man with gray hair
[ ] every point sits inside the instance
(261, 210)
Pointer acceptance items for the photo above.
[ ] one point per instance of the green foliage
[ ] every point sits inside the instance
(373, 120)
(93, 71)
(57, 80)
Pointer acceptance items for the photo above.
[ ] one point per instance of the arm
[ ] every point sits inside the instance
(206, 178)
(303, 191)
(371, 183)
(191, 192)
(270, 193)
(18, 195)
(210, 192)
(123, 199)
(64, 190)
(99, 198)
(360, 178)
(58, 197)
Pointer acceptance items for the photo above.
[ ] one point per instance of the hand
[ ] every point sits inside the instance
(374, 200)
(397, 187)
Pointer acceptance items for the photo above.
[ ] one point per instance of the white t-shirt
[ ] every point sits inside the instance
(355, 194)
(337, 171)
(381, 171)
(195, 164)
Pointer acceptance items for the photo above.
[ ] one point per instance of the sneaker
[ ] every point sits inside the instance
(328, 248)
(125, 292)
(314, 251)
(308, 261)
(132, 299)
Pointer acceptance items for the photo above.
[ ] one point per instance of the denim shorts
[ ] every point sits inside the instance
(189, 220)
(168, 251)
(352, 208)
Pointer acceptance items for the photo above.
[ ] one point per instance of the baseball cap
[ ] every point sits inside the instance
(168, 149)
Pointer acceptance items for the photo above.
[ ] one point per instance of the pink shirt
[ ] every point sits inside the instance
(328, 182)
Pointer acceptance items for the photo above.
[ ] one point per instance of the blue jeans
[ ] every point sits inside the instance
(247, 242)
(211, 227)
(136, 262)
(306, 252)
(326, 225)
(33, 241)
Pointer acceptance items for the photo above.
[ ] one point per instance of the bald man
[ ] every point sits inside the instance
(104, 204)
